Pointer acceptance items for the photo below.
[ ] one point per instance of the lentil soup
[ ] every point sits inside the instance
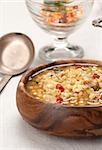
(71, 85)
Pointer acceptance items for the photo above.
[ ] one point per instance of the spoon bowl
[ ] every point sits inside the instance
(16, 55)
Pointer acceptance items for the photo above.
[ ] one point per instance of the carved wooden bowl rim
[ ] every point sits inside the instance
(36, 69)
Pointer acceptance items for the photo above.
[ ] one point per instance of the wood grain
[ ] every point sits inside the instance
(58, 119)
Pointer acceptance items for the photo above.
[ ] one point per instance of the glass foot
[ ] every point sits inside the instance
(51, 53)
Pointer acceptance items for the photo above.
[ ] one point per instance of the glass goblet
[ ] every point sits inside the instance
(60, 18)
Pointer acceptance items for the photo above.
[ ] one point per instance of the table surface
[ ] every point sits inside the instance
(14, 132)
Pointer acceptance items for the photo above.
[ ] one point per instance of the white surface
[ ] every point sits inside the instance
(15, 134)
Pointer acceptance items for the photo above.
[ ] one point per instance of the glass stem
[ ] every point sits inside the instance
(61, 42)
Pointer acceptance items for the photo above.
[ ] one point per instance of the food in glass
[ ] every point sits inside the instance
(60, 18)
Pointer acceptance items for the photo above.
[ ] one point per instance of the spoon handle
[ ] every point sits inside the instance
(4, 81)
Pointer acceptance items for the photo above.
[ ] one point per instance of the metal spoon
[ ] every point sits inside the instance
(16, 55)
(97, 23)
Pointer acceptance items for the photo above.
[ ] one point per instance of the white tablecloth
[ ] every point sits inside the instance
(14, 132)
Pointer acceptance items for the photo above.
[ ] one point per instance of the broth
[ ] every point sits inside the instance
(75, 85)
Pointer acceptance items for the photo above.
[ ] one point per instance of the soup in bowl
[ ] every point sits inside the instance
(71, 85)
(63, 98)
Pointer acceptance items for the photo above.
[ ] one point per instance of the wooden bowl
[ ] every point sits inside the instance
(57, 119)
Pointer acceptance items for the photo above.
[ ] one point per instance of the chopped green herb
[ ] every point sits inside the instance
(51, 75)
(36, 82)
(56, 3)
(58, 70)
